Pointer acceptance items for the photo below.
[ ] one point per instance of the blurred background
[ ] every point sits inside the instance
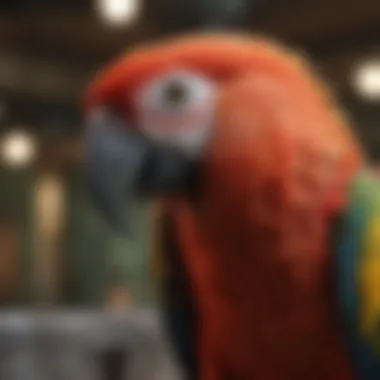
(54, 250)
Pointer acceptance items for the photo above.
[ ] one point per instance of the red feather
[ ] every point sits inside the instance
(257, 244)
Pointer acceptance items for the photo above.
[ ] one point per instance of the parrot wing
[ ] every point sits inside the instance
(359, 273)
(171, 277)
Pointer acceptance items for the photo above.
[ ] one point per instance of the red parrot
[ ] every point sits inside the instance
(252, 160)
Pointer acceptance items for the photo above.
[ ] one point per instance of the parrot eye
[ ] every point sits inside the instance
(177, 109)
(175, 94)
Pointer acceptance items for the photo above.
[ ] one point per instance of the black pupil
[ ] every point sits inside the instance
(175, 94)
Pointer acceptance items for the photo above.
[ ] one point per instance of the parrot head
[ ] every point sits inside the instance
(226, 118)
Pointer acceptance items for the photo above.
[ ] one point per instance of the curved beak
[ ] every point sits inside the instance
(122, 165)
(113, 158)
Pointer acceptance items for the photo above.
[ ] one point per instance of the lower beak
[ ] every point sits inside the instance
(122, 165)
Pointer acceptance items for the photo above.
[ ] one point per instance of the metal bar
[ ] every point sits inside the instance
(68, 346)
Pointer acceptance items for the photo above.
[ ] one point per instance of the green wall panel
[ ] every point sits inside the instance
(16, 200)
(96, 257)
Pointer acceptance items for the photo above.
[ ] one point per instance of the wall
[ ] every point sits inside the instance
(95, 256)
(16, 197)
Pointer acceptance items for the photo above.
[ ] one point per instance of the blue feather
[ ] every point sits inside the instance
(354, 224)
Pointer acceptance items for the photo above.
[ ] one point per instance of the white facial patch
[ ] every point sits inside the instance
(177, 109)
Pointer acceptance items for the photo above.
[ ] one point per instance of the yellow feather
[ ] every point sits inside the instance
(369, 281)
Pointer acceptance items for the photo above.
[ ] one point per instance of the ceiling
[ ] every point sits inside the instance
(50, 49)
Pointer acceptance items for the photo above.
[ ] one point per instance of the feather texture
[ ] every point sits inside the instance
(359, 274)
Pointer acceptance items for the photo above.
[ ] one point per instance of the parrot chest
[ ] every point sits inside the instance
(255, 324)
(261, 319)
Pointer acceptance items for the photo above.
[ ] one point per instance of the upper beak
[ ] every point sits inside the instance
(121, 165)
(113, 157)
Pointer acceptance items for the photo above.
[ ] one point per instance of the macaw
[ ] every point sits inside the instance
(272, 227)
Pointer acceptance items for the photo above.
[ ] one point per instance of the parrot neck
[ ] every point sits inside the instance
(254, 279)
(258, 277)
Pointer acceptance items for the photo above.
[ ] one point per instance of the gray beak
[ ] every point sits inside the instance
(122, 165)
(113, 157)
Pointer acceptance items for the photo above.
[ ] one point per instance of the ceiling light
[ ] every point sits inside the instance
(17, 149)
(366, 79)
(117, 12)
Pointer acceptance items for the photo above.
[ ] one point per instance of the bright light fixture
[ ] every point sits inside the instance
(117, 12)
(18, 149)
(367, 79)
